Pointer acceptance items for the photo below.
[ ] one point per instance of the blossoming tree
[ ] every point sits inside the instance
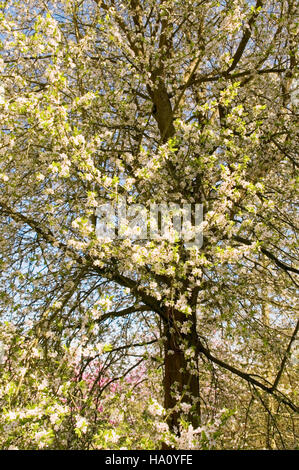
(176, 102)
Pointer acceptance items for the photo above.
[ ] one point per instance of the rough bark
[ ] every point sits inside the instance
(162, 110)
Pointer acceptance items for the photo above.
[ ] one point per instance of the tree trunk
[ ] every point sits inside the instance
(181, 381)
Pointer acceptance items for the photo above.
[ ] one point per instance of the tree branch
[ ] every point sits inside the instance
(246, 36)
(248, 377)
(286, 354)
